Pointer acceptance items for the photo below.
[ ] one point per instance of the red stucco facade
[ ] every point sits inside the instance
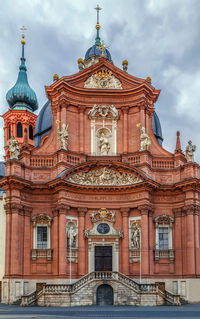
(55, 188)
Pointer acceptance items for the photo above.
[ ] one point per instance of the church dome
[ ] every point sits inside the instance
(157, 128)
(21, 96)
(94, 51)
(44, 123)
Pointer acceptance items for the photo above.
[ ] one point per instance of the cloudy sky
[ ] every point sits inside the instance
(159, 38)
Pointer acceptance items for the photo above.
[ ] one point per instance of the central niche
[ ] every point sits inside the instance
(103, 122)
(104, 141)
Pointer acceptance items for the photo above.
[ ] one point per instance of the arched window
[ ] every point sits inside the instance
(9, 131)
(19, 130)
(30, 132)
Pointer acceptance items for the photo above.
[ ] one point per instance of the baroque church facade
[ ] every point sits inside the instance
(97, 211)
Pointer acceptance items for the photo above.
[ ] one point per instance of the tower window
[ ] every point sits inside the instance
(19, 130)
(9, 131)
(30, 132)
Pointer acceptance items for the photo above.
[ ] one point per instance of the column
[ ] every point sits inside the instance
(125, 241)
(8, 240)
(125, 129)
(190, 256)
(197, 250)
(15, 240)
(27, 240)
(151, 243)
(81, 125)
(144, 210)
(55, 241)
(62, 240)
(81, 242)
(178, 241)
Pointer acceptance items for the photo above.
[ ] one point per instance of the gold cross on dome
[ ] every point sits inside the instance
(98, 9)
(23, 29)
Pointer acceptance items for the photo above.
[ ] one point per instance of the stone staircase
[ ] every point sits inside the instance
(127, 291)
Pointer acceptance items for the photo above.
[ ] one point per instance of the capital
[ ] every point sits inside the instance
(16, 208)
(27, 210)
(63, 209)
(178, 212)
(81, 108)
(125, 211)
(82, 211)
(145, 209)
(125, 109)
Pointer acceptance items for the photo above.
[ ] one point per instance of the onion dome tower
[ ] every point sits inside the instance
(19, 120)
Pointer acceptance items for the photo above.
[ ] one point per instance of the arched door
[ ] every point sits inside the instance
(104, 295)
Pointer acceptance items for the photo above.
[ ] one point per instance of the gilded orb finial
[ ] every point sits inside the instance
(148, 79)
(55, 77)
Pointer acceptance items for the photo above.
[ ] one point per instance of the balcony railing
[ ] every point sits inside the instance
(42, 253)
(164, 254)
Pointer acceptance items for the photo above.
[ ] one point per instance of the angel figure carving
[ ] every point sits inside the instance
(13, 148)
(189, 152)
(62, 135)
(145, 140)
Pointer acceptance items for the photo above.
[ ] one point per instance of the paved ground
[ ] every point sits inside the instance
(15, 312)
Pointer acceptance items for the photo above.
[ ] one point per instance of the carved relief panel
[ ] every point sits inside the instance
(103, 129)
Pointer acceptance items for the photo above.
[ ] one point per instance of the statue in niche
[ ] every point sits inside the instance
(145, 140)
(135, 238)
(189, 152)
(103, 145)
(62, 135)
(71, 236)
(13, 148)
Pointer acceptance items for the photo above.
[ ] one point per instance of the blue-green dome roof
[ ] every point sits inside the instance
(21, 95)
(95, 51)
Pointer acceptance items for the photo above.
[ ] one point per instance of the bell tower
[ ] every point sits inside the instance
(20, 120)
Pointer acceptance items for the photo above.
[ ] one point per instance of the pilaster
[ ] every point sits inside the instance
(62, 260)
(125, 111)
(81, 242)
(125, 241)
(144, 211)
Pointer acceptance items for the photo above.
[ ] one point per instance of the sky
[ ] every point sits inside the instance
(159, 38)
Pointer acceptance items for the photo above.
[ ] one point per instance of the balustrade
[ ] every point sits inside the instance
(104, 276)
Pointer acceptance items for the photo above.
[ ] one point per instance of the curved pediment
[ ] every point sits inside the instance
(104, 174)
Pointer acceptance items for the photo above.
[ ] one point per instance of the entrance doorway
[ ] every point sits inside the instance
(103, 258)
(104, 295)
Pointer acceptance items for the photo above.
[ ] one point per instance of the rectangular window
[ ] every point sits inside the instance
(163, 238)
(41, 237)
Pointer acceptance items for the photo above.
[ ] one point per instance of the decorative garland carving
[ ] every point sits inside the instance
(42, 219)
(163, 220)
(104, 176)
(103, 111)
(103, 214)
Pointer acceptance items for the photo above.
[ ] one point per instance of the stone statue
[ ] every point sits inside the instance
(104, 145)
(189, 152)
(13, 148)
(71, 235)
(62, 135)
(135, 238)
(145, 140)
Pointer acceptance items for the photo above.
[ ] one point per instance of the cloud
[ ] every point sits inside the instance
(158, 38)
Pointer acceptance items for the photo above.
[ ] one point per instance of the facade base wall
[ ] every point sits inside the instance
(14, 289)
